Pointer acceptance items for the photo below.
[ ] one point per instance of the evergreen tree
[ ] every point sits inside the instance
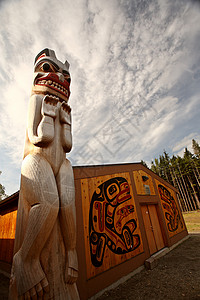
(144, 163)
(183, 173)
(196, 148)
(2, 191)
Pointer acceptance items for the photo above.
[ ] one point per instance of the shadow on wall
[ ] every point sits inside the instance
(6, 250)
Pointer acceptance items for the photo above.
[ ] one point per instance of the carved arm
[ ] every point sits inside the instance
(42, 112)
(65, 120)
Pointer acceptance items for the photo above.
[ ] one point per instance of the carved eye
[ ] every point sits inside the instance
(67, 76)
(112, 191)
(46, 67)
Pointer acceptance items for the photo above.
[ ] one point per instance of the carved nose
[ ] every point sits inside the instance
(61, 77)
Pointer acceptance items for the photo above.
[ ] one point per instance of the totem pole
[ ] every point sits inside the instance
(45, 261)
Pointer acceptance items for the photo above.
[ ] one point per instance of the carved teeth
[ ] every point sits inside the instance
(54, 97)
(54, 84)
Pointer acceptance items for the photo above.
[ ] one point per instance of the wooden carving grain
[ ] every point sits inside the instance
(45, 262)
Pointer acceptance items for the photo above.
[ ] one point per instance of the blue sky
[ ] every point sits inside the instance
(135, 68)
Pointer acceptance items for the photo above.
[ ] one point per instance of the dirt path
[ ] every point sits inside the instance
(177, 276)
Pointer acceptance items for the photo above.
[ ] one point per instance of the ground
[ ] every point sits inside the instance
(4, 284)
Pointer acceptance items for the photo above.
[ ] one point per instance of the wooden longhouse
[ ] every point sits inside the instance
(125, 213)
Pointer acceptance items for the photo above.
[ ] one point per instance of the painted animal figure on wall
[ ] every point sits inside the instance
(45, 261)
(172, 214)
(111, 221)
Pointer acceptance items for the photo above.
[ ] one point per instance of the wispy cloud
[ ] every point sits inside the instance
(186, 142)
(135, 69)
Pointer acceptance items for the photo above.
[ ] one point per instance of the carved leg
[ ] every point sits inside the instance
(67, 215)
(39, 189)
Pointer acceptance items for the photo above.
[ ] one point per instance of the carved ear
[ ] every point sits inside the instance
(45, 52)
(67, 65)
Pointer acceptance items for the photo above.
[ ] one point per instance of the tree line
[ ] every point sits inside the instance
(183, 173)
(2, 191)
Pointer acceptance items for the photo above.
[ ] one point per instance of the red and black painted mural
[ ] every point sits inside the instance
(171, 212)
(112, 221)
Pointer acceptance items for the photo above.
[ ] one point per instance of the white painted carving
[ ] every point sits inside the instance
(45, 261)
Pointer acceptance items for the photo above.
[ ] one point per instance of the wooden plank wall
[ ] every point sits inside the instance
(101, 192)
(171, 209)
(7, 235)
(142, 182)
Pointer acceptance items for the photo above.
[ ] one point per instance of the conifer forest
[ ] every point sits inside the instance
(183, 173)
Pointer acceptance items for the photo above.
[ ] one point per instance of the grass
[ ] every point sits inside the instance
(192, 221)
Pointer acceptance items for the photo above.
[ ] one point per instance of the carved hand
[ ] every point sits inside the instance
(72, 275)
(65, 113)
(50, 106)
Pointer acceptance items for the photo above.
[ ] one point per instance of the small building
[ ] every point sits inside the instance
(125, 214)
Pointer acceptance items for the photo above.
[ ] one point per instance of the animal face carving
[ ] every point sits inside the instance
(51, 77)
(111, 221)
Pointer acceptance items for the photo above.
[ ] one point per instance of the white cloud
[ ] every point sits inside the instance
(134, 62)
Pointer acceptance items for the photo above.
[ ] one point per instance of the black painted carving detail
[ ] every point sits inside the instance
(172, 214)
(111, 220)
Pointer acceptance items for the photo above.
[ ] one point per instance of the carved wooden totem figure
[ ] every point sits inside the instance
(45, 261)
